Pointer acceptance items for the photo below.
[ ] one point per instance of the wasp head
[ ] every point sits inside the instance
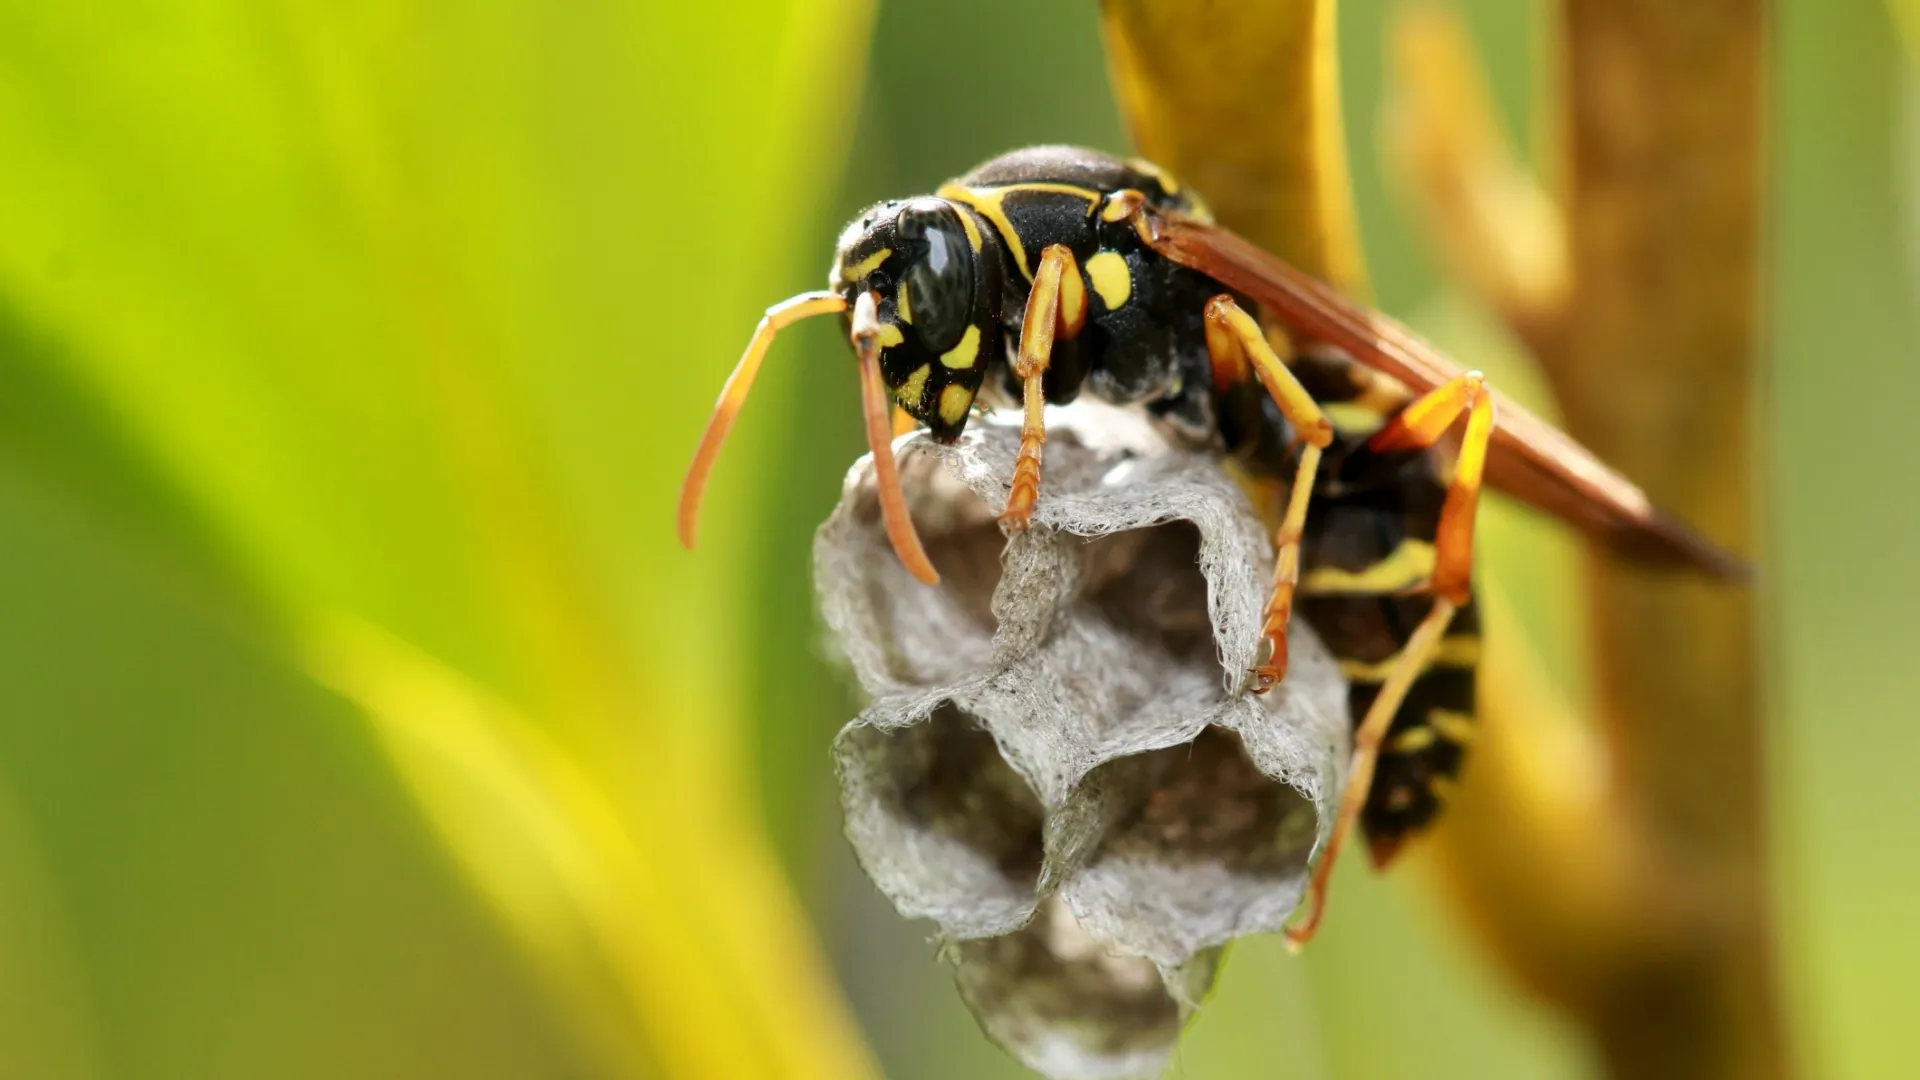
(934, 270)
(919, 285)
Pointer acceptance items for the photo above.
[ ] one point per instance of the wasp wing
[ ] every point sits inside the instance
(1529, 459)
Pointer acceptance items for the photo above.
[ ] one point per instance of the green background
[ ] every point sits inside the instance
(406, 316)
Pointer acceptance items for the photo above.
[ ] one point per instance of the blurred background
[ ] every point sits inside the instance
(359, 715)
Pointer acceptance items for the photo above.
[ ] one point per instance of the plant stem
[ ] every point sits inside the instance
(1242, 101)
(1655, 370)
(1622, 878)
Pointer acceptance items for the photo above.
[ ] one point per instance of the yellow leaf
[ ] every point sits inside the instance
(1242, 102)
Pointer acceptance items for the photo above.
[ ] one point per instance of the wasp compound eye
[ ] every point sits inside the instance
(936, 292)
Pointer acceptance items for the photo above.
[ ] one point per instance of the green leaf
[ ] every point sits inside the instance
(398, 317)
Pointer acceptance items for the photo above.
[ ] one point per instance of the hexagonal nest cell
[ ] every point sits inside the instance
(1062, 766)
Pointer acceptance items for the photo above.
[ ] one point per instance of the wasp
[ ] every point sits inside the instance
(1055, 271)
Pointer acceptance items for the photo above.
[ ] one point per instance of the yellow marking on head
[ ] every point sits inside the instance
(1456, 652)
(900, 304)
(1147, 168)
(865, 266)
(973, 230)
(1455, 727)
(963, 354)
(915, 387)
(1111, 279)
(890, 335)
(988, 201)
(1407, 565)
(954, 402)
(1412, 741)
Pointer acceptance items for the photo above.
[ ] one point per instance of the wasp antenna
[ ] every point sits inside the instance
(886, 473)
(734, 394)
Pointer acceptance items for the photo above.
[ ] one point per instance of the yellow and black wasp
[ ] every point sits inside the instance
(1054, 271)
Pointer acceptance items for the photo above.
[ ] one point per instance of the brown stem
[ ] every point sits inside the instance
(1650, 346)
(1492, 223)
(1627, 882)
(1656, 372)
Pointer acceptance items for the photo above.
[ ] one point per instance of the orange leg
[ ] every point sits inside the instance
(1237, 347)
(1419, 425)
(1056, 308)
(734, 394)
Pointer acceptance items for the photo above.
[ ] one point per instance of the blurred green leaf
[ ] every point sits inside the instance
(209, 871)
(1907, 14)
(388, 315)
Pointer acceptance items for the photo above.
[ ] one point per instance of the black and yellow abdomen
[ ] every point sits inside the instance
(1361, 564)
(1366, 554)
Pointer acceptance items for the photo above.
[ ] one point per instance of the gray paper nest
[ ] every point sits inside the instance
(1061, 766)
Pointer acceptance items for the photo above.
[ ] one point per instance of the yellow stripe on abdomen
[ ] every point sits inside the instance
(1405, 566)
(1455, 651)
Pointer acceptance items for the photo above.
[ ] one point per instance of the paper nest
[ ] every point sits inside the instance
(1061, 766)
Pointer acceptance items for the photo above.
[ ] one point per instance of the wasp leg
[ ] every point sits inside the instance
(1419, 425)
(1366, 752)
(1237, 349)
(734, 394)
(1056, 308)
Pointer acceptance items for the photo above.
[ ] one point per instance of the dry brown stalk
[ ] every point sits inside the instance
(1619, 874)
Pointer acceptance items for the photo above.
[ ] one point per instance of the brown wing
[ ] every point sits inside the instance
(1529, 459)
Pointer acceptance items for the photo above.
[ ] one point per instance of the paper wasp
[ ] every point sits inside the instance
(1053, 271)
